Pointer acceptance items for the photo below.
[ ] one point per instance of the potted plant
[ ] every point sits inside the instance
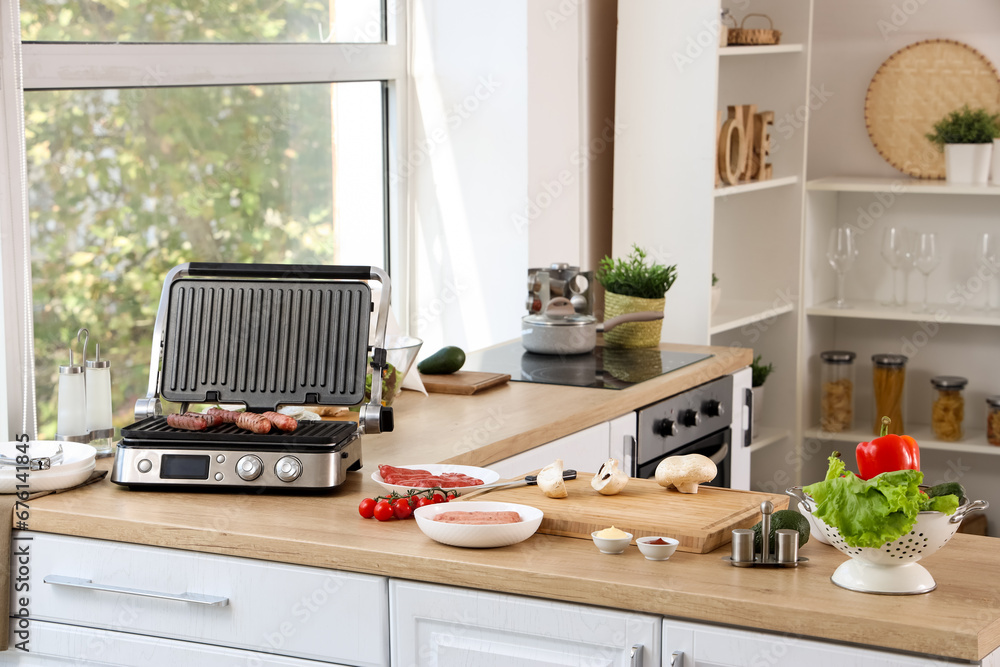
(634, 285)
(759, 373)
(967, 137)
(716, 293)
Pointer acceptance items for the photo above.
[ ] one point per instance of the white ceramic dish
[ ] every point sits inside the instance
(657, 551)
(76, 466)
(479, 537)
(611, 546)
(488, 477)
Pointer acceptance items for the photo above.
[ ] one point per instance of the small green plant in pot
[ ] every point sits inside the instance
(759, 372)
(967, 137)
(716, 293)
(634, 284)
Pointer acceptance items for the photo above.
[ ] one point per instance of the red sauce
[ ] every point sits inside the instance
(658, 541)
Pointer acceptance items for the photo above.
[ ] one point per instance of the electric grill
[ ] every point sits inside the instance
(262, 335)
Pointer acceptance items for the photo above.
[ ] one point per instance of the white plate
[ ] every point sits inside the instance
(488, 477)
(77, 464)
(480, 537)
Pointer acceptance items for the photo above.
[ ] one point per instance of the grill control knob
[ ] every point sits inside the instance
(691, 418)
(288, 468)
(714, 409)
(665, 427)
(249, 467)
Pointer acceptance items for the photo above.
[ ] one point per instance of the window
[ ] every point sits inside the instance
(144, 156)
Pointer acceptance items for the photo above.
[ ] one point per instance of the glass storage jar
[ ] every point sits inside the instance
(948, 410)
(993, 420)
(836, 407)
(888, 378)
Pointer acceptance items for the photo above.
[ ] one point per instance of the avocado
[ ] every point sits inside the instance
(446, 360)
(782, 519)
(948, 488)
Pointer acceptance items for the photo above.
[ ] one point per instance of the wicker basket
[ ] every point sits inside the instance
(754, 36)
(632, 334)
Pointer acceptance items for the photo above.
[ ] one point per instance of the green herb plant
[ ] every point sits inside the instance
(635, 277)
(966, 126)
(759, 371)
(715, 279)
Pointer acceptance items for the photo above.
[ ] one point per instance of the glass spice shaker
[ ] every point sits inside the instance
(948, 410)
(836, 408)
(993, 420)
(888, 378)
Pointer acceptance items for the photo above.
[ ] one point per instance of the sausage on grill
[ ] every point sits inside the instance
(226, 416)
(210, 420)
(251, 421)
(188, 422)
(283, 422)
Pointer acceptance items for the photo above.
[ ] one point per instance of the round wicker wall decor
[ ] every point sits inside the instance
(915, 88)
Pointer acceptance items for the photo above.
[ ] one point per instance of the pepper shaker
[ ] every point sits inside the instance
(72, 404)
(99, 424)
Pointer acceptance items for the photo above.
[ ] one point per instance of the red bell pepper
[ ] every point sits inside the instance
(887, 453)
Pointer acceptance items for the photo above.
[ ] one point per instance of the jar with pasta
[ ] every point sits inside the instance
(993, 420)
(836, 406)
(888, 378)
(948, 410)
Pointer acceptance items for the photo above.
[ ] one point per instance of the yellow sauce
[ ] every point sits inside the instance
(611, 533)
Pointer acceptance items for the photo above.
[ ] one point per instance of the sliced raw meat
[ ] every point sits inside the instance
(422, 479)
(478, 518)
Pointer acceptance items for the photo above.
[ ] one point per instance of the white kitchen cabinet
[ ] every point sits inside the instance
(701, 645)
(295, 611)
(584, 450)
(441, 626)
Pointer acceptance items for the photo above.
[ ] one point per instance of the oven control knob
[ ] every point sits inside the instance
(288, 468)
(714, 409)
(249, 467)
(690, 418)
(665, 427)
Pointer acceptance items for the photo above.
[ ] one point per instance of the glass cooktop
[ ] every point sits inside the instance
(604, 368)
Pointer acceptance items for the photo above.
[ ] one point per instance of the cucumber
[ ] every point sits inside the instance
(948, 488)
(446, 360)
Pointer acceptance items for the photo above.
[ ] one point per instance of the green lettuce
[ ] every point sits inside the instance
(946, 504)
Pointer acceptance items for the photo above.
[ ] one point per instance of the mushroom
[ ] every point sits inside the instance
(609, 480)
(550, 480)
(685, 472)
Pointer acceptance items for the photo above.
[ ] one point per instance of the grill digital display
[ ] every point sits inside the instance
(183, 466)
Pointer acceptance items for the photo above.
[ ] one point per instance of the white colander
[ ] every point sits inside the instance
(891, 569)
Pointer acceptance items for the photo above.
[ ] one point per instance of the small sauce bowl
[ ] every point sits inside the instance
(611, 546)
(657, 551)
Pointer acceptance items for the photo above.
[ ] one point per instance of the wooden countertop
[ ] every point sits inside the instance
(501, 422)
(961, 619)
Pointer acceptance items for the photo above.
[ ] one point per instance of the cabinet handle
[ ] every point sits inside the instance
(635, 657)
(195, 598)
(748, 432)
(677, 659)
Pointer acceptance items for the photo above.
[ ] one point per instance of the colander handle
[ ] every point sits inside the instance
(970, 507)
(800, 495)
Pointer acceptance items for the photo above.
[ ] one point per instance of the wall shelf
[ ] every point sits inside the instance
(725, 191)
(735, 314)
(901, 185)
(870, 310)
(760, 50)
(973, 443)
(769, 435)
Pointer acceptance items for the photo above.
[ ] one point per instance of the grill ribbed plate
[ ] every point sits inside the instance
(266, 342)
(308, 433)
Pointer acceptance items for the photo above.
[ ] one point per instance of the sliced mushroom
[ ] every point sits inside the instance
(550, 480)
(609, 480)
(685, 473)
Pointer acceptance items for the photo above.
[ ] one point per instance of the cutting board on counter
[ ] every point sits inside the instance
(702, 521)
(465, 383)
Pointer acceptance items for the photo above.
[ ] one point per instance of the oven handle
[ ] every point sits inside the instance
(720, 455)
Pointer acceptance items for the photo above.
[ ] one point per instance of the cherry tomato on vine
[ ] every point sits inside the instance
(452, 495)
(367, 508)
(401, 508)
(383, 510)
(423, 501)
(438, 498)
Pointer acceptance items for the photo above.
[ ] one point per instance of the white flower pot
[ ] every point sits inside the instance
(967, 164)
(996, 161)
(716, 297)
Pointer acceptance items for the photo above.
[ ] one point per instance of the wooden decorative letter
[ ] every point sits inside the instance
(731, 140)
(744, 115)
(759, 169)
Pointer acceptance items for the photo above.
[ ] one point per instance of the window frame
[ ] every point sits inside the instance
(154, 65)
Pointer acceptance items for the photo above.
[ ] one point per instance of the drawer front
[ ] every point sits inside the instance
(439, 626)
(272, 607)
(55, 645)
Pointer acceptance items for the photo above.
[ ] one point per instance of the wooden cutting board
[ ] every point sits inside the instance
(465, 383)
(702, 521)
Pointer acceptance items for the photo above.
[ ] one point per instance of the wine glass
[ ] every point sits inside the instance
(841, 252)
(907, 259)
(892, 251)
(927, 257)
(989, 257)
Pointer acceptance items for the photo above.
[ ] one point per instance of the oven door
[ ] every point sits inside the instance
(716, 446)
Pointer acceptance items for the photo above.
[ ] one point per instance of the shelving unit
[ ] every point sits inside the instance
(768, 49)
(940, 313)
(974, 441)
(901, 185)
(740, 188)
(734, 314)
(769, 435)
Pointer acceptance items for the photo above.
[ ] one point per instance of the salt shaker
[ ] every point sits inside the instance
(72, 404)
(102, 431)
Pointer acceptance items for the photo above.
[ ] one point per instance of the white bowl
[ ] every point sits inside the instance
(480, 537)
(75, 468)
(657, 551)
(611, 546)
(488, 477)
